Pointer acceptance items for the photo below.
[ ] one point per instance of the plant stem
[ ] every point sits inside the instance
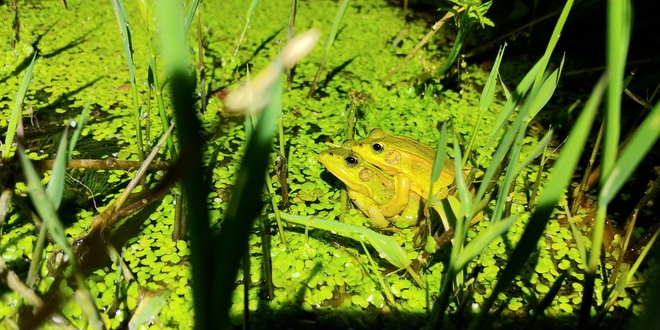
(421, 44)
(202, 73)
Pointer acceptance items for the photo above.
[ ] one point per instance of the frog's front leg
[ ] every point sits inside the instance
(369, 208)
(400, 198)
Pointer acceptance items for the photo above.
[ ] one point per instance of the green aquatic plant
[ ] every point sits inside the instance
(16, 110)
(316, 276)
(248, 16)
(46, 202)
(474, 13)
(328, 44)
(122, 21)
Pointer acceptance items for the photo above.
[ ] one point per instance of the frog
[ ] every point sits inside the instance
(410, 163)
(369, 188)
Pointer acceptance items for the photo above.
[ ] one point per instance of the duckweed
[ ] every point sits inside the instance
(161, 264)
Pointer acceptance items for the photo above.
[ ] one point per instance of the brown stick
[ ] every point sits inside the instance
(424, 41)
(99, 164)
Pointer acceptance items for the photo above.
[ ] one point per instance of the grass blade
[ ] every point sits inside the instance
(122, 20)
(512, 102)
(485, 101)
(481, 241)
(248, 17)
(554, 38)
(79, 126)
(489, 88)
(561, 175)
(328, 43)
(618, 37)
(546, 91)
(439, 161)
(640, 144)
(386, 246)
(16, 110)
(196, 188)
(191, 15)
(335, 25)
(245, 205)
(55, 188)
(46, 210)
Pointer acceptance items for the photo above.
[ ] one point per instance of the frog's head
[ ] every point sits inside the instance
(349, 167)
(379, 149)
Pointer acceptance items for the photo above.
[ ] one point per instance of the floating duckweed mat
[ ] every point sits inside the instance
(322, 279)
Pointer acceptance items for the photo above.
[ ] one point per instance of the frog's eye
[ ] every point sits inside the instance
(351, 161)
(377, 147)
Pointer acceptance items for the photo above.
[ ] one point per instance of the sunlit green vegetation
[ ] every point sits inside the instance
(179, 226)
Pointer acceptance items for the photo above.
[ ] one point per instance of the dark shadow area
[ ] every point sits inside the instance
(26, 61)
(293, 316)
(62, 101)
(336, 71)
(300, 295)
(242, 68)
(73, 44)
(35, 44)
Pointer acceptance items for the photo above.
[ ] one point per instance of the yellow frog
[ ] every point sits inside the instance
(368, 187)
(410, 162)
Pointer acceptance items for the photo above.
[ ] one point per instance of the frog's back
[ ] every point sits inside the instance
(426, 154)
(400, 142)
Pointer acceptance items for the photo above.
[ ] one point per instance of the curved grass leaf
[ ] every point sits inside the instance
(386, 246)
(481, 241)
(16, 110)
(122, 21)
(245, 206)
(511, 173)
(486, 100)
(618, 37)
(462, 224)
(554, 38)
(641, 142)
(540, 146)
(491, 83)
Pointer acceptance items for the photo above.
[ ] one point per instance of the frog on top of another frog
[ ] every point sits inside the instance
(369, 188)
(410, 162)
